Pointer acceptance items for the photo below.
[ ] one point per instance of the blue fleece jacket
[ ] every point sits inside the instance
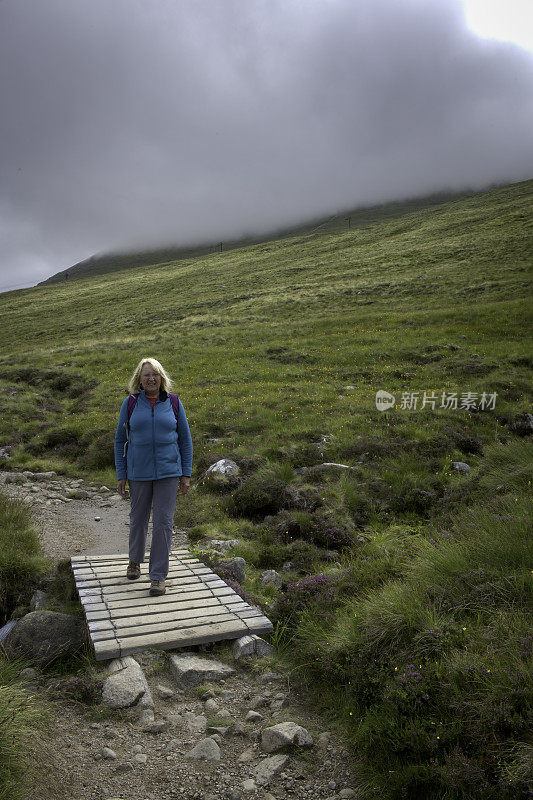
(155, 449)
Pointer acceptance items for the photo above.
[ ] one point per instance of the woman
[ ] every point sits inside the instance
(153, 452)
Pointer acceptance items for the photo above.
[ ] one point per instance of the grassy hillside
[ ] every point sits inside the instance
(334, 223)
(406, 582)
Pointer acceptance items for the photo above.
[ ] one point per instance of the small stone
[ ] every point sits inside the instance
(211, 705)
(251, 645)
(460, 466)
(174, 744)
(324, 739)
(253, 716)
(205, 750)
(146, 717)
(269, 768)
(106, 752)
(237, 568)
(28, 673)
(271, 578)
(140, 758)
(216, 737)
(269, 677)
(155, 727)
(137, 748)
(81, 494)
(249, 785)
(126, 767)
(258, 701)
(126, 684)
(221, 730)
(280, 701)
(196, 723)
(285, 733)
(345, 794)
(98, 519)
(191, 670)
(39, 600)
(246, 756)
(165, 693)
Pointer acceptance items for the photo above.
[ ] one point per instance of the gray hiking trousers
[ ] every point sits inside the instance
(162, 495)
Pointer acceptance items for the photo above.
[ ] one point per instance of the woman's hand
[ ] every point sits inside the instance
(185, 483)
(121, 487)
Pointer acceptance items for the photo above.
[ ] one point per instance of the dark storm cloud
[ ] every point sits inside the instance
(140, 122)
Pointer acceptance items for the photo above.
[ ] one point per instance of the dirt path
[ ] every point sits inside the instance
(67, 526)
(94, 753)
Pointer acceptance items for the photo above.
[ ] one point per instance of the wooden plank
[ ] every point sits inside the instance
(112, 567)
(140, 598)
(175, 631)
(119, 558)
(214, 632)
(141, 587)
(121, 579)
(170, 627)
(169, 616)
(197, 599)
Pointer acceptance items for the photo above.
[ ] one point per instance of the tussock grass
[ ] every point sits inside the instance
(434, 665)
(21, 717)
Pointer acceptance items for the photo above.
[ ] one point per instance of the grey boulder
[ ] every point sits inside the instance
(283, 735)
(236, 568)
(191, 670)
(251, 645)
(205, 750)
(269, 768)
(460, 466)
(126, 685)
(43, 636)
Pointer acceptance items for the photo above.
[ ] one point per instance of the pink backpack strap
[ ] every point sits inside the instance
(175, 403)
(132, 402)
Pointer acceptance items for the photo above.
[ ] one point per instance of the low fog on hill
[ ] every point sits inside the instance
(131, 124)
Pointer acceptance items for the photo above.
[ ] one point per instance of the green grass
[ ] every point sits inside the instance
(21, 714)
(277, 353)
(21, 562)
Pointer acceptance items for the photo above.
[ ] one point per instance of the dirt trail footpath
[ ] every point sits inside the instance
(97, 753)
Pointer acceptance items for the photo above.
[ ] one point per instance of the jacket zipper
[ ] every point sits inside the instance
(153, 441)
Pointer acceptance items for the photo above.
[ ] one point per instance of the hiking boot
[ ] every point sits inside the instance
(157, 588)
(134, 571)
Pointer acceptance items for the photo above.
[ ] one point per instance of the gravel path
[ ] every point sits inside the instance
(95, 524)
(94, 753)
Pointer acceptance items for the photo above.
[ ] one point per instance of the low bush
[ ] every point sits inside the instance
(260, 495)
(20, 561)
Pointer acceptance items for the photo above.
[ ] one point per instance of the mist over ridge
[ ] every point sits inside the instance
(128, 125)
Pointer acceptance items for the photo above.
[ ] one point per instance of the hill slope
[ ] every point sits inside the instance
(357, 218)
(406, 582)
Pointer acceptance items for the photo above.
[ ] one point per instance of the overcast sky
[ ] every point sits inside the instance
(137, 123)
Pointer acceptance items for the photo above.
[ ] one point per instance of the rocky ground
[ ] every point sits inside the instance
(97, 752)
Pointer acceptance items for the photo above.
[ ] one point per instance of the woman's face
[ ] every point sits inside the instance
(150, 380)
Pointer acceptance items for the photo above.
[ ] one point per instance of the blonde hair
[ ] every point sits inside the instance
(135, 380)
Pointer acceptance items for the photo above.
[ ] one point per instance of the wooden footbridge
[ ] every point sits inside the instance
(123, 618)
